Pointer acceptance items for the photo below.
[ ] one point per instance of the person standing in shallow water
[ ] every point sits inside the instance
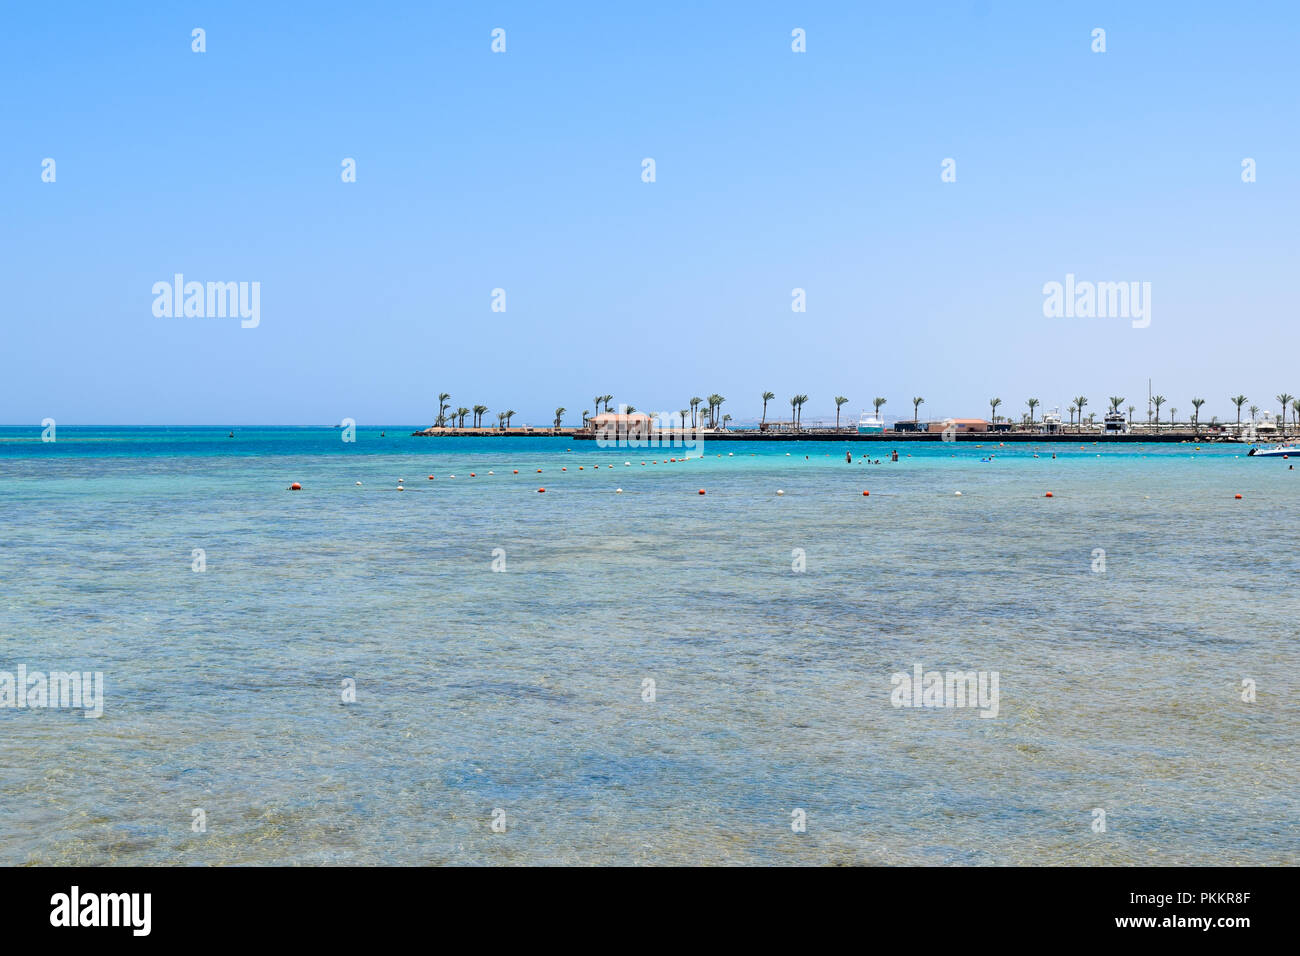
(848, 457)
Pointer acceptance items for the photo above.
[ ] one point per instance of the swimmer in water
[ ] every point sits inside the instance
(848, 457)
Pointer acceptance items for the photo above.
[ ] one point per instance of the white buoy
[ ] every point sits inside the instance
(779, 491)
(618, 491)
(358, 484)
(958, 493)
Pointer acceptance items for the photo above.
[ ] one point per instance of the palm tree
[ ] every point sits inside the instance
(1130, 414)
(695, 404)
(717, 406)
(1283, 399)
(802, 399)
(725, 419)
(1295, 409)
(1239, 400)
(993, 409)
(479, 411)
(596, 402)
(1032, 403)
(682, 413)
(509, 415)
(585, 415)
(442, 408)
(876, 403)
(558, 412)
(1173, 416)
(1157, 402)
(501, 420)
(1072, 411)
(917, 402)
(794, 407)
(839, 401)
(767, 396)
(608, 399)
(1080, 402)
(1196, 415)
(460, 414)
(1115, 402)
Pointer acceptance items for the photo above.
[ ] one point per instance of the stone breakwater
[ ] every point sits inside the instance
(580, 434)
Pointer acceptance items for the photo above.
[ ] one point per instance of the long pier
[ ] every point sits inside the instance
(668, 437)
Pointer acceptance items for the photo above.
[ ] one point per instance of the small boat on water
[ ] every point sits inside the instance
(1278, 451)
(869, 425)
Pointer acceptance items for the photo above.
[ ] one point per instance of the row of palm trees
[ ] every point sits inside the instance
(1287, 401)
(455, 418)
(710, 416)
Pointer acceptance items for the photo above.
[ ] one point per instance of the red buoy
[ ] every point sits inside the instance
(865, 493)
(1237, 496)
(541, 490)
(1048, 495)
(295, 487)
(701, 491)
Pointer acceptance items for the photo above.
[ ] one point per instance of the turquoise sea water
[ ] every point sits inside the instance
(523, 690)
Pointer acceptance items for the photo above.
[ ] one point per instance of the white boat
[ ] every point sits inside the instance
(1050, 424)
(1115, 424)
(1277, 451)
(870, 425)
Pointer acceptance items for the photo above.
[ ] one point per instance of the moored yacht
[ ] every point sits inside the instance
(1115, 424)
(870, 425)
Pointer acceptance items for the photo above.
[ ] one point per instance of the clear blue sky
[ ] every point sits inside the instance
(522, 170)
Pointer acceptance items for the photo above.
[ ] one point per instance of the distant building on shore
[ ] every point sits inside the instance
(958, 425)
(615, 426)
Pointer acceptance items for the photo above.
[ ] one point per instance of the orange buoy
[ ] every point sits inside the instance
(564, 469)
(1048, 495)
(539, 471)
(579, 468)
(701, 491)
(541, 490)
(431, 477)
(472, 475)
(295, 487)
(865, 493)
(516, 471)
(1238, 496)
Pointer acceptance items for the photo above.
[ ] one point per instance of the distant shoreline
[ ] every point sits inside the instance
(667, 437)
